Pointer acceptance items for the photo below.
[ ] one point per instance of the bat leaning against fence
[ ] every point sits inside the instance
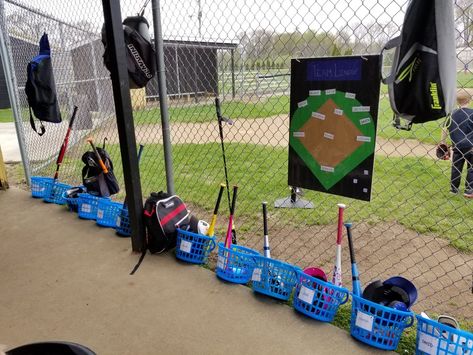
(337, 270)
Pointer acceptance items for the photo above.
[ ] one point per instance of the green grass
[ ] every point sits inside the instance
(412, 191)
(206, 112)
(426, 133)
(6, 115)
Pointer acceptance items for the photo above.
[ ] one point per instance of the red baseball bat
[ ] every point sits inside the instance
(63, 149)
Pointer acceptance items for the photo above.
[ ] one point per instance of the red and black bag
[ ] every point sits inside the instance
(163, 214)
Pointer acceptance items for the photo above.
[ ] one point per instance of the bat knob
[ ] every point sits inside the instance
(348, 224)
(341, 205)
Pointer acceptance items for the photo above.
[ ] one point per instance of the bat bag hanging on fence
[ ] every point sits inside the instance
(140, 55)
(40, 88)
(422, 81)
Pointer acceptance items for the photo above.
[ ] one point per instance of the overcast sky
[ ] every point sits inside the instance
(224, 20)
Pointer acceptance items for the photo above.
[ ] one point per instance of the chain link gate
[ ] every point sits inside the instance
(241, 52)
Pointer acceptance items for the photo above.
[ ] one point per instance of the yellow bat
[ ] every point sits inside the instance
(211, 230)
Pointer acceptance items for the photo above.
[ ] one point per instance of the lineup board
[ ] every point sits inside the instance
(333, 118)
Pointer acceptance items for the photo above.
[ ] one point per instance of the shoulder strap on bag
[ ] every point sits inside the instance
(392, 43)
(42, 129)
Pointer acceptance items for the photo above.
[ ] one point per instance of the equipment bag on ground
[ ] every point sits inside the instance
(93, 177)
(163, 214)
(40, 88)
(422, 82)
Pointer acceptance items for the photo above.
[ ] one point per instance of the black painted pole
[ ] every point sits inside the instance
(125, 125)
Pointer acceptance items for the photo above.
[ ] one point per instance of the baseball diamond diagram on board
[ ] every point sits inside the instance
(333, 118)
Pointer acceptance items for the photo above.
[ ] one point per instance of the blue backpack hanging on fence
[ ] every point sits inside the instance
(40, 87)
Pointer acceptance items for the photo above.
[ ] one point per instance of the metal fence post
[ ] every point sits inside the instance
(163, 95)
(64, 49)
(233, 72)
(125, 124)
(8, 67)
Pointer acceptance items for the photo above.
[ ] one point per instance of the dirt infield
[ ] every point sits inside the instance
(271, 131)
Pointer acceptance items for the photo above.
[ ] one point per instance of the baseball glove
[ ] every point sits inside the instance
(442, 151)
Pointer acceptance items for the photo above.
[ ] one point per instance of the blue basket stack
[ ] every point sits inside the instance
(318, 299)
(436, 338)
(108, 212)
(54, 191)
(235, 264)
(123, 226)
(39, 185)
(273, 277)
(87, 206)
(194, 248)
(378, 325)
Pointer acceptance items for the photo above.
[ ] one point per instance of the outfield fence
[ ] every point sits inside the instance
(241, 52)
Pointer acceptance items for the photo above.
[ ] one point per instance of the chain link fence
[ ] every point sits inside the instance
(241, 52)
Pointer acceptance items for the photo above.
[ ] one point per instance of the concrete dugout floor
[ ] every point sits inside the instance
(62, 278)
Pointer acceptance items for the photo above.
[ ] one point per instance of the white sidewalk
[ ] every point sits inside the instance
(9, 142)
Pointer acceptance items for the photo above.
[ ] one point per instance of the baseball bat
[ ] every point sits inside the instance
(266, 248)
(337, 270)
(355, 276)
(211, 230)
(228, 239)
(221, 119)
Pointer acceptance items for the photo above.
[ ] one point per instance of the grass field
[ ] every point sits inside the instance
(425, 133)
(406, 190)
(6, 115)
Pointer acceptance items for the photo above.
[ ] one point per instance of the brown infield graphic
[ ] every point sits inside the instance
(339, 140)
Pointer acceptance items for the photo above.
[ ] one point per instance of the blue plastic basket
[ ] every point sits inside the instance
(235, 264)
(436, 338)
(378, 325)
(194, 248)
(87, 205)
(318, 299)
(54, 192)
(273, 277)
(107, 212)
(39, 185)
(123, 226)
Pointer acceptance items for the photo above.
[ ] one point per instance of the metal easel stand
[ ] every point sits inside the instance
(293, 201)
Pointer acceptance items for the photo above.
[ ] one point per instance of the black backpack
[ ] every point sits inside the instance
(422, 82)
(140, 55)
(93, 177)
(163, 214)
(40, 87)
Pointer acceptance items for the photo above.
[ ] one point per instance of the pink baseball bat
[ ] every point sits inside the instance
(337, 270)
(228, 239)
